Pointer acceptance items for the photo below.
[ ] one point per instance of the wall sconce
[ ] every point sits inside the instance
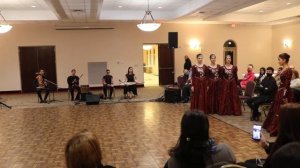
(194, 44)
(287, 43)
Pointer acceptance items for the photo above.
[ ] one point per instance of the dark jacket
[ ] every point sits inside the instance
(187, 64)
(268, 88)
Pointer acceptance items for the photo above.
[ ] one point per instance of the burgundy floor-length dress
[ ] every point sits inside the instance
(229, 94)
(199, 82)
(213, 89)
(283, 92)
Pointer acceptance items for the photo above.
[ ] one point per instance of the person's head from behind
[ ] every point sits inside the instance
(130, 70)
(289, 125)
(287, 156)
(262, 71)
(270, 71)
(193, 145)
(83, 151)
(186, 57)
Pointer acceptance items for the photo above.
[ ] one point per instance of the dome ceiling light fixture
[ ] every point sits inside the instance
(4, 27)
(149, 26)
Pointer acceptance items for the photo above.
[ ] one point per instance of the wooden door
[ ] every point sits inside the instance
(32, 59)
(165, 64)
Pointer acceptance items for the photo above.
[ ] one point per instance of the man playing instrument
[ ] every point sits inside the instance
(41, 85)
(73, 82)
(107, 82)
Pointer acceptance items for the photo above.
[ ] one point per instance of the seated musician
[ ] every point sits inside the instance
(73, 82)
(130, 84)
(107, 82)
(41, 85)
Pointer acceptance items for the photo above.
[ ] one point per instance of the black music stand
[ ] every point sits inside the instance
(53, 89)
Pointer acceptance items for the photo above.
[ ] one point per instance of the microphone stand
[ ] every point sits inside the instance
(5, 105)
(53, 99)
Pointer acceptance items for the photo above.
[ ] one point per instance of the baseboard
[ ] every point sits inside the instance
(11, 92)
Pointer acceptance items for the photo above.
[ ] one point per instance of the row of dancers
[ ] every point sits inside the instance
(215, 89)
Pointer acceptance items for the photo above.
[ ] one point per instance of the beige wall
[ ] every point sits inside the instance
(122, 47)
(287, 31)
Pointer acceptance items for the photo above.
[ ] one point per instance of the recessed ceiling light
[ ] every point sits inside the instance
(33, 6)
(261, 11)
(160, 7)
(288, 3)
(120, 6)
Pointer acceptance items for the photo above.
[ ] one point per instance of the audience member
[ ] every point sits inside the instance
(195, 148)
(186, 89)
(83, 151)
(187, 63)
(249, 76)
(261, 76)
(267, 90)
(295, 72)
(288, 131)
(287, 156)
(277, 75)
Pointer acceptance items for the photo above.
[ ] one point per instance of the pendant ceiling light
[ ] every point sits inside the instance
(4, 27)
(149, 26)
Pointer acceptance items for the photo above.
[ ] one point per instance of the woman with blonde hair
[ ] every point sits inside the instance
(83, 151)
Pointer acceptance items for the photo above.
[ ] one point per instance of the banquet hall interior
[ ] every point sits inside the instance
(151, 36)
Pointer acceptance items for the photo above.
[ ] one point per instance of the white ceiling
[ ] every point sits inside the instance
(94, 11)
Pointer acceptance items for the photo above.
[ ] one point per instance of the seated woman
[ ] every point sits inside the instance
(195, 148)
(288, 131)
(130, 84)
(83, 151)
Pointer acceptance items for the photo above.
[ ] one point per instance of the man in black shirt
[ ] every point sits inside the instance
(73, 82)
(267, 90)
(187, 64)
(107, 82)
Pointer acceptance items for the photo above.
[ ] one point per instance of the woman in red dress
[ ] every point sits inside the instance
(229, 94)
(283, 95)
(214, 83)
(199, 85)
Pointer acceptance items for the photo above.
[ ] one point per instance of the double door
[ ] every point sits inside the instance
(32, 59)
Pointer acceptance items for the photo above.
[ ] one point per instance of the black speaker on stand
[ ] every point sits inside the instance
(173, 39)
